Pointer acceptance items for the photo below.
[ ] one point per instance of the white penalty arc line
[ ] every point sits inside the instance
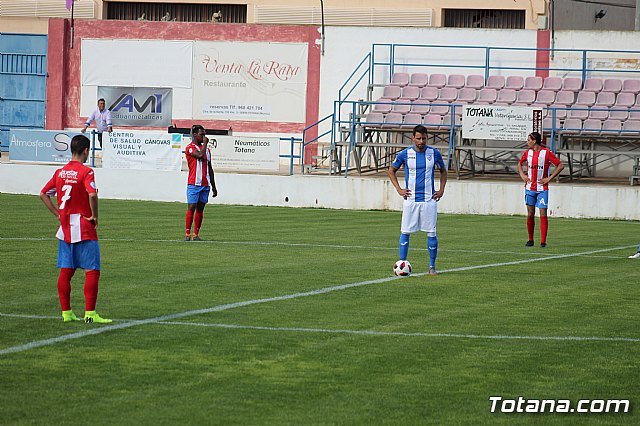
(219, 308)
(285, 244)
(368, 332)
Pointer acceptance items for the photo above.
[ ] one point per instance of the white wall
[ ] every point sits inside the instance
(467, 197)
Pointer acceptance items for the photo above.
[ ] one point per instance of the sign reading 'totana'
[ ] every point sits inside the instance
(243, 153)
(498, 122)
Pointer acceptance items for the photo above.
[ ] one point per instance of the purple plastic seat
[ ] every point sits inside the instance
(533, 83)
(606, 99)
(456, 81)
(392, 120)
(412, 120)
(432, 120)
(572, 84)
(552, 83)
(631, 86)
(565, 97)
(374, 119)
(437, 80)
(495, 82)
(475, 81)
(525, 97)
(439, 108)
(599, 113)
(486, 96)
(586, 98)
(400, 79)
(579, 112)
(382, 105)
(402, 106)
(591, 126)
(620, 110)
(514, 82)
(420, 107)
(506, 97)
(467, 95)
(592, 85)
(419, 79)
(572, 125)
(631, 126)
(429, 93)
(611, 127)
(410, 92)
(545, 97)
(391, 92)
(448, 94)
(612, 85)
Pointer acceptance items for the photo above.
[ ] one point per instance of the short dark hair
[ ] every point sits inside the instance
(196, 128)
(537, 136)
(102, 99)
(79, 143)
(419, 129)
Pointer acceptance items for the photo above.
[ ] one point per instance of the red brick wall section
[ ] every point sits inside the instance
(542, 56)
(63, 85)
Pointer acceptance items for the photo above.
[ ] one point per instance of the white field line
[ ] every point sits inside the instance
(219, 308)
(312, 245)
(366, 332)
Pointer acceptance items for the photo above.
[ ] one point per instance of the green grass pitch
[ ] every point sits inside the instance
(252, 325)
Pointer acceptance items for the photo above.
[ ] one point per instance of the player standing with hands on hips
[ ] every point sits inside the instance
(420, 208)
(200, 182)
(536, 182)
(78, 245)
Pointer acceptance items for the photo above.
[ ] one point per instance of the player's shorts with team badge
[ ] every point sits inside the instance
(83, 254)
(538, 199)
(197, 194)
(419, 216)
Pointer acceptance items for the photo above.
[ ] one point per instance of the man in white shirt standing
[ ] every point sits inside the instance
(102, 117)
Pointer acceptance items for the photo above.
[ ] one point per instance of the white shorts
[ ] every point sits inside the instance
(419, 217)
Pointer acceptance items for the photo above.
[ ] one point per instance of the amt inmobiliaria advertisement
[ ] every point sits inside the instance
(250, 81)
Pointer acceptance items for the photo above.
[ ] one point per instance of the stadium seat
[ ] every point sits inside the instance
(400, 79)
(547, 124)
(392, 120)
(591, 126)
(592, 85)
(579, 112)
(543, 107)
(506, 97)
(606, 99)
(620, 110)
(410, 92)
(545, 97)
(525, 97)
(419, 79)
(495, 82)
(631, 86)
(533, 83)
(611, 127)
(467, 95)
(402, 106)
(572, 84)
(514, 82)
(448, 94)
(446, 120)
(391, 92)
(412, 120)
(373, 119)
(586, 98)
(431, 120)
(439, 108)
(552, 83)
(486, 96)
(612, 85)
(437, 80)
(560, 110)
(565, 97)
(631, 126)
(456, 81)
(429, 93)
(599, 113)
(420, 107)
(572, 125)
(475, 81)
(382, 105)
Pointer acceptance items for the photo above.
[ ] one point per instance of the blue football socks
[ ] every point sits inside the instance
(432, 246)
(404, 246)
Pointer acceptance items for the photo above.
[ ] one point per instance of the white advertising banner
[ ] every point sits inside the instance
(243, 153)
(139, 150)
(250, 81)
(498, 122)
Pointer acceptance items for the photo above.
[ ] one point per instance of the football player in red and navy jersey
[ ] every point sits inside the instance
(200, 181)
(536, 194)
(77, 210)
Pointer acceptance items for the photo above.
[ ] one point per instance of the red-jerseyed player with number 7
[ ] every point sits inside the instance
(78, 245)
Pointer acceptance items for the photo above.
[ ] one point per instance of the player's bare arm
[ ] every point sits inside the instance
(443, 182)
(214, 190)
(556, 172)
(47, 202)
(93, 203)
(394, 180)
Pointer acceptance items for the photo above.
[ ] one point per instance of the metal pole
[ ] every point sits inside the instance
(553, 27)
(637, 23)
(322, 27)
(71, 41)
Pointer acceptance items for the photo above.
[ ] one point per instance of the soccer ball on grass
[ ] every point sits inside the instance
(402, 268)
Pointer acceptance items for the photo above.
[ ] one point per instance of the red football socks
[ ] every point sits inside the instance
(91, 289)
(544, 226)
(198, 220)
(64, 287)
(531, 223)
(189, 221)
